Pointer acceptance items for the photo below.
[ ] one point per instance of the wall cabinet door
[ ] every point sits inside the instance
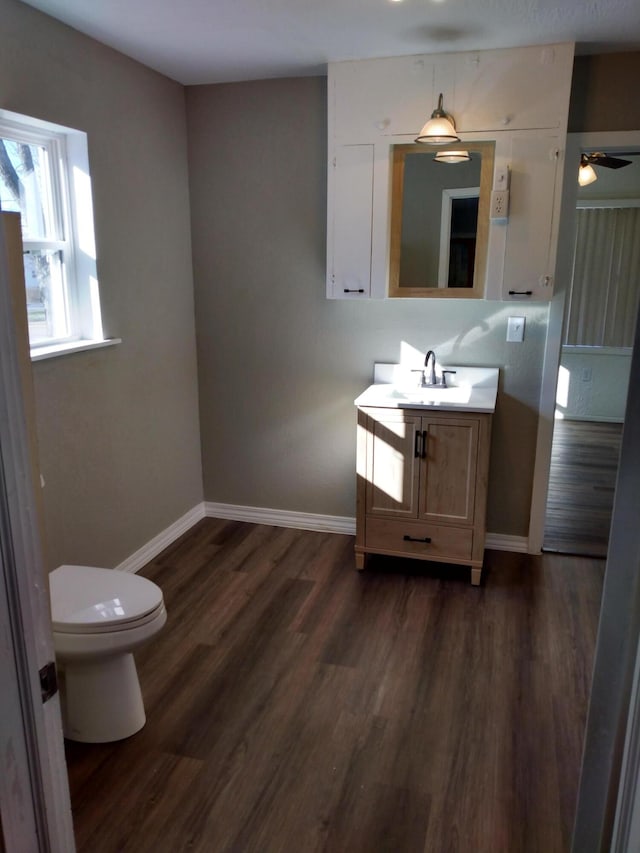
(350, 204)
(534, 211)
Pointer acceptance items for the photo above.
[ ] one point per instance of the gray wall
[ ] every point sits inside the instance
(279, 365)
(603, 93)
(118, 428)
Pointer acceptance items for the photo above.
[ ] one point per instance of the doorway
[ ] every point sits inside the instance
(599, 310)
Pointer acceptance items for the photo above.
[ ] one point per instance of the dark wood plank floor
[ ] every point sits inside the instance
(295, 704)
(582, 479)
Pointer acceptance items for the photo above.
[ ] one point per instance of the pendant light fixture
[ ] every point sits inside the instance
(586, 173)
(440, 129)
(452, 157)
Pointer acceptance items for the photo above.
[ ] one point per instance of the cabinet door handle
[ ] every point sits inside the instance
(424, 444)
(417, 449)
(520, 293)
(354, 290)
(408, 538)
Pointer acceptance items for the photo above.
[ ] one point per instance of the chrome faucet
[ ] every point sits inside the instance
(432, 376)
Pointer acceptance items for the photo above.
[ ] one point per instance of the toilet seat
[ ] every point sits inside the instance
(88, 600)
(102, 628)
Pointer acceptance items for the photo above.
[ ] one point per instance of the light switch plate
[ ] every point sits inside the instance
(515, 330)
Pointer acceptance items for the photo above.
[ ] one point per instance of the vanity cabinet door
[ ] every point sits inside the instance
(393, 464)
(448, 475)
(350, 207)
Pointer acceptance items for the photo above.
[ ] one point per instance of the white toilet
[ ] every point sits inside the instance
(99, 617)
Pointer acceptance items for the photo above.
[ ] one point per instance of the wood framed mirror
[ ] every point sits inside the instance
(439, 221)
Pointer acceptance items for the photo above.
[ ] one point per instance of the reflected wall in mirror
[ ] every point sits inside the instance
(439, 221)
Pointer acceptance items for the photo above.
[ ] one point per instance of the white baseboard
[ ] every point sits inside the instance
(503, 542)
(143, 555)
(274, 518)
(596, 419)
(282, 518)
(331, 523)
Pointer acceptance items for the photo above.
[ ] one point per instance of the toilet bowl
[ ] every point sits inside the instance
(99, 617)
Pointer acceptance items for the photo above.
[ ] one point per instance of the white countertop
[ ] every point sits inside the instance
(471, 389)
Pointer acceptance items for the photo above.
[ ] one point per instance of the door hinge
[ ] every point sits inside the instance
(48, 681)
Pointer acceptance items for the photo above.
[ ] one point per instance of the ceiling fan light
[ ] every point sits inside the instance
(586, 174)
(452, 157)
(440, 129)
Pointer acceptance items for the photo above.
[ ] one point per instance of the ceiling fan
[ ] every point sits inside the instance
(597, 158)
(586, 173)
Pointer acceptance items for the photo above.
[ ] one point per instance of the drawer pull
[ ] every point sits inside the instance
(408, 538)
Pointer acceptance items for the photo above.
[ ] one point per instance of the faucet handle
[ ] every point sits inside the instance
(444, 376)
(420, 378)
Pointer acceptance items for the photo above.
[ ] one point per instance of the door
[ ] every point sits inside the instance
(34, 792)
(393, 456)
(447, 493)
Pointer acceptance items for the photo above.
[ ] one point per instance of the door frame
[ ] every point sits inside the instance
(608, 806)
(34, 788)
(596, 141)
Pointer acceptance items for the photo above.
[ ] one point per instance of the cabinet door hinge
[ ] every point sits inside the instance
(48, 681)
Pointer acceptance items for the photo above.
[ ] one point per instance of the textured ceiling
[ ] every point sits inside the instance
(210, 41)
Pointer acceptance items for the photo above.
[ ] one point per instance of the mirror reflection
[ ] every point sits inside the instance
(439, 221)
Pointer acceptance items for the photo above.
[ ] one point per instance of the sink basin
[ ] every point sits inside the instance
(472, 389)
(434, 394)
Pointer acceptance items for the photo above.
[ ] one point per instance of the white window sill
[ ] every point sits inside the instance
(573, 349)
(55, 350)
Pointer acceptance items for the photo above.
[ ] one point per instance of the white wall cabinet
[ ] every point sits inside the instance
(483, 90)
(374, 104)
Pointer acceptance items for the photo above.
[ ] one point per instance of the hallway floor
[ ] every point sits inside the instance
(582, 482)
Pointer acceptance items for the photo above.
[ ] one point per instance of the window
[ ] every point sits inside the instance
(44, 176)
(604, 294)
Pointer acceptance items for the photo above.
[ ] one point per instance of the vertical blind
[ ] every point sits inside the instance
(605, 287)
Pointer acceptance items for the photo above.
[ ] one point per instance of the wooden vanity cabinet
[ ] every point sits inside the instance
(422, 485)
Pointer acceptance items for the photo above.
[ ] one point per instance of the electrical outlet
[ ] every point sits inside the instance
(515, 330)
(500, 204)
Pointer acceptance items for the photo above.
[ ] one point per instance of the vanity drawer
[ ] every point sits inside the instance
(389, 535)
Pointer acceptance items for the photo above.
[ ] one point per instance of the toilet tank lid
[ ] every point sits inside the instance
(86, 595)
